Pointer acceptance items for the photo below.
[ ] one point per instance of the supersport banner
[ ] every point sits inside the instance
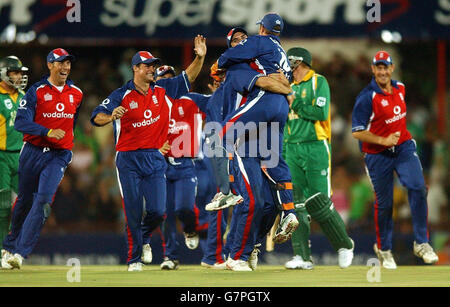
(183, 19)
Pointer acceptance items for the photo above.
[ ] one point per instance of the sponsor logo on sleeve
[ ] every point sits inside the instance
(321, 101)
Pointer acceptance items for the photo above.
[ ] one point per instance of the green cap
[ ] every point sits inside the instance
(299, 54)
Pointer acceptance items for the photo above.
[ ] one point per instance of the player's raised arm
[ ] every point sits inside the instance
(200, 52)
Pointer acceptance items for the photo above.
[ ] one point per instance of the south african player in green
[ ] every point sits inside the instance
(13, 81)
(307, 151)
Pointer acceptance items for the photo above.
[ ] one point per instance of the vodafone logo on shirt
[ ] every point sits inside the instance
(147, 121)
(59, 112)
(398, 115)
(176, 127)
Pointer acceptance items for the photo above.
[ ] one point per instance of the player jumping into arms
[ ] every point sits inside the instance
(261, 107)
(379, 123)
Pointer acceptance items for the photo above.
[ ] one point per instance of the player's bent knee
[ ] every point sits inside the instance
(319, 206)
(420, 192)
(43, 198)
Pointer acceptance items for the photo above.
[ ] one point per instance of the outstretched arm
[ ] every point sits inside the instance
(200, 52)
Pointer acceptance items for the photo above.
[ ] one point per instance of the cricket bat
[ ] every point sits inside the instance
(269, 240)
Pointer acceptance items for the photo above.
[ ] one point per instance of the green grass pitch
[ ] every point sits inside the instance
(196, 276)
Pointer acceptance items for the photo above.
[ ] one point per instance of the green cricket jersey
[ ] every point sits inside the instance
(10, 139)
(309, 116)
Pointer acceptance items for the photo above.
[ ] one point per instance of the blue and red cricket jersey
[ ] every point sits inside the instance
(145, 125)
(383, 114)
(43, 108)
(185, 127)
(380, 113)
(43, 160)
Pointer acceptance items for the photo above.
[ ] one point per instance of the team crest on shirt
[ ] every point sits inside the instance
(384, 103)
(48, 97)
(133, 105)
(321, 101)
(155, 100)
(181, 111)
(8, 104)
(304, 93)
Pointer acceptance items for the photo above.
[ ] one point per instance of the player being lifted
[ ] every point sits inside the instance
(261, 107)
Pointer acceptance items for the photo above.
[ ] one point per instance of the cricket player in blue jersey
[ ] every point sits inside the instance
(47, 115)
(175, 86)
(243, 232)
(230, 96)
(379, 123)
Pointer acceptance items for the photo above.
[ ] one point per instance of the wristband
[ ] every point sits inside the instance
(49, 131)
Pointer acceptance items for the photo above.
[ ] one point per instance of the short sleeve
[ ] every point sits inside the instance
(362, 111)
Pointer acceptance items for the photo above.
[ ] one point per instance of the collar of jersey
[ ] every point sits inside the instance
(45, 81)
(275, 37)
(308, 76)
(378, 90)
(131, 86)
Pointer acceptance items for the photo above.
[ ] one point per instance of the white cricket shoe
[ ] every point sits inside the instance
(147, 255)
(298, 263)
(253, 259)
(191, 240)
(215, 266)
(5, 256)
(222, 201)
(345, 256)
(386, 258)
(426, 252)
(169, 264)
(286, 228)
(15, 261)
(135, 267)
(238, 265)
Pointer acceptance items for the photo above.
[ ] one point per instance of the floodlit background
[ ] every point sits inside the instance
(87, 217)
